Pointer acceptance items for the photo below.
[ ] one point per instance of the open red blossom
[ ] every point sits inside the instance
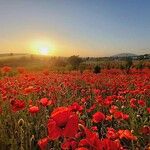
(82, 148)
(145, 130)
(76, 107)
(113, 109)
(148, 110)
(108, 101)
(62, 123)
(118, 115)
(69, 144)
(125, 116)
(98, 117)
(111, 134)
(6, 69)
(141, 103)
(133, 103)
(42, 143)
(44, 101)
(34, 109)
(121, 115)
(92, 142)
(17, 105)
(107, 144)
(126, 134)
(28, 90)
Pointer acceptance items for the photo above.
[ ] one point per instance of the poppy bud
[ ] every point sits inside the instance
(21, 122)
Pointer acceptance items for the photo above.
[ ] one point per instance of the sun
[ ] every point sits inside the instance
(42, 47)
(44, 50)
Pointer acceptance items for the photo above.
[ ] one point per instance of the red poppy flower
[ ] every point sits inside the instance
(82, 148)
(43, 143)
(126, 134)
(76, 107)
(6, 69)
(62, 123)
(34, 109)
(91, 140)
(107, 144)
(133, 103)
(98, 117)
(141, 103)
(113, 109)
(111, 134)
(148, 110)
(145, 130)
(69, 144)
(118, 115)
(28, 90)
(125, 116)
(44, 101)
(17, 105)
(108, 101)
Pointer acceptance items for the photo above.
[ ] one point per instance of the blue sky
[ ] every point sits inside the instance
(83, 27)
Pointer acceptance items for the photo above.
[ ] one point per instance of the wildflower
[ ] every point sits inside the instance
(98, 117)
(141, 103)
(111, 133)
(133, 103)
(28, 90)
(126, 134)
(69, 144)
(17, 105)
(62, 123)
(76, 107)
(148, 110)
(6, 69)
(42, 143)
(44, 101)
(113, 109)
(33, 109)
(145, 130)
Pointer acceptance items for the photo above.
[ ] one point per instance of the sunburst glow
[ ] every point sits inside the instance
(44, 50)
(42, 47)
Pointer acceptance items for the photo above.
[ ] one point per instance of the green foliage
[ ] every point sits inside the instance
(97, 69)
(128, 65)
(140, 65)
(82, 67)
(122, 67)
(74, 61)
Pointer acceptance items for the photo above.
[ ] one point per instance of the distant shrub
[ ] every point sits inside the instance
(122, 67)
(97, 69)
(140, 66)
(128, 65)
(74, 61)
(82, 67)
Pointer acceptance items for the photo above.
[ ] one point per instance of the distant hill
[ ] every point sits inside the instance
(125, 55)
(11, 54)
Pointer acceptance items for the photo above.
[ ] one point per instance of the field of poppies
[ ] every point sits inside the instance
(73, 111)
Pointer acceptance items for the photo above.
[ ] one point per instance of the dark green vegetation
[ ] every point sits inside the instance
(38, 62)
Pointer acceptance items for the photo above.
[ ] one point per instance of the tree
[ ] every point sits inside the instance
(129, 64)
(140, 66)
(74, 61)
(82, 67)
(97, 69)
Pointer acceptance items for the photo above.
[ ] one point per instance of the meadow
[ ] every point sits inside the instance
(72, 110)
